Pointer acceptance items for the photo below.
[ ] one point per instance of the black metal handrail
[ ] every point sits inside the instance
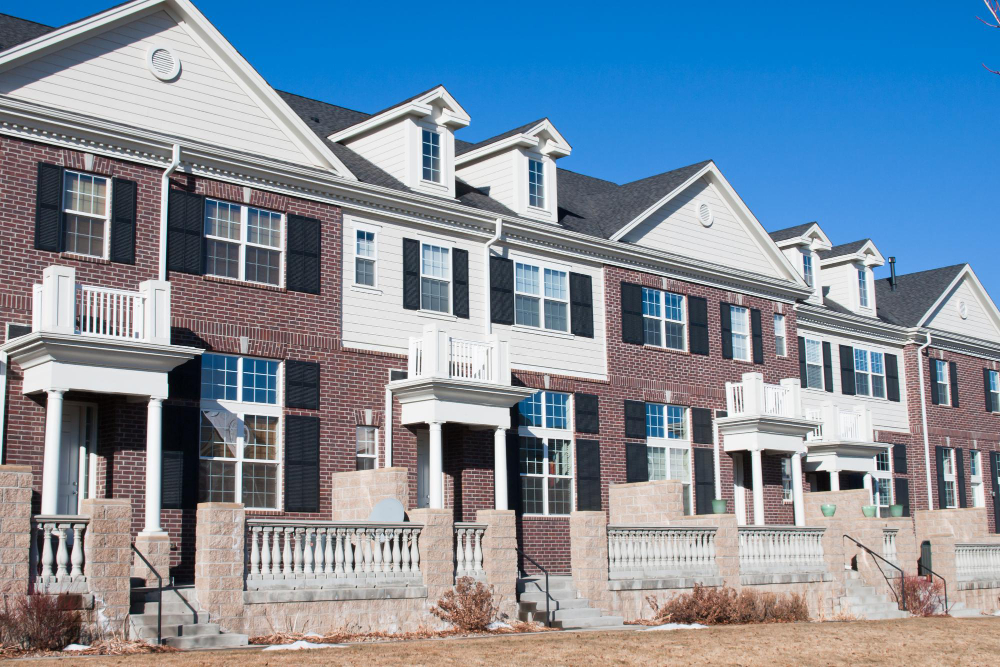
(901, 596)
(921, 569)
(548, 619)
(159, 592)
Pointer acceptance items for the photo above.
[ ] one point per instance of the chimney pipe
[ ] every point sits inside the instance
(892, 274)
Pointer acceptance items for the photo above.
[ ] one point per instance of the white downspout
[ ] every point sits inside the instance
(387, 451)
(3, 401)
(923, 418)
(486, 267)
(164, 197)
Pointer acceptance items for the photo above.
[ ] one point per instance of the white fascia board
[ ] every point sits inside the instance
(849, 325)
(808, 239)
(454, 115)
(621, 233)
(977, 289)
(516, 141)
(861, 255)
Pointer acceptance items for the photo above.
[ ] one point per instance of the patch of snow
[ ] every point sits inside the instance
(997, 612)
(76, 647)
(312, 634)
(299, 645)
(498, 625)
(678, 626)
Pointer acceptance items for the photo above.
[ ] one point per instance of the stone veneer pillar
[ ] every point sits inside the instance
(588, 552)
(500, 556)
(437, 550)
(15, 528)
(107, 557)
(156, 548)
(219, 562)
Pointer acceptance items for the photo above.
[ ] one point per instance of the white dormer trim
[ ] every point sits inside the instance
(543, 138)
(978, 290)
(436, 105)
(814, 237)
(868, 255)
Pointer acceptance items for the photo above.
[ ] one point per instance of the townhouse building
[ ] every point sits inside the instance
(219, 297)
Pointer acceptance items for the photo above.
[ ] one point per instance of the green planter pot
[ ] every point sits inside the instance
(895, 510)
(718, 506)
(869, 510)
(828, 509)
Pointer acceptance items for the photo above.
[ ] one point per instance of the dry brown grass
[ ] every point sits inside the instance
(919, 641)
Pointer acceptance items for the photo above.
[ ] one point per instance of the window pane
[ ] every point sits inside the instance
(365, 246)
(974, 463)
(739, 320)
(657, 459)
(882, 461)
(532, 456)
(218, 377)
(435, 262)
(556, 317)
(434, 295)
(741, 348)
(85, 193)
(673, 307)
(218, 434)
(878, 386)
(675, 335)
(560, 457)
(366, 440)
(555, 285)
(651, 302)
(860, 360)
(364, 463)
(526, 311)
(217, 482)
(364, 272)
(222, 219)
(676, 422)
(560, 496)
(651, 334)
(861, 383)
(530, 410)
(532, 500)
(84, 236)
(431, 154)
(261, 437)
(260, 485)
(263, 227)
(680, 464)
(222, 259)
(263, 266)
(556, 410)
(260, 381)
(814, 364)
(536, 184)
(949, 494)
(654, 421)
(526, 279)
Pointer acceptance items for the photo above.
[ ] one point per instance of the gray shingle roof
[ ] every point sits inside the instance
(790, 232)
(843, 249)
(464, 146)
(914, 295)
(14, 31)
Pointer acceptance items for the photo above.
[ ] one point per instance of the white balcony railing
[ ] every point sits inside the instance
(977, 562)
(469, 550)
(438, 354)
(646, 553)
(752, 397)
(771, 549)
(841, 425)
(60, 305)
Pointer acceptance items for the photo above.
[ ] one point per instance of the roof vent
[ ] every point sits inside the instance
(163, 63)
(963, 309)
(705, 215)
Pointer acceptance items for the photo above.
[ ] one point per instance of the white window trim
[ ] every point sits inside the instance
(884, 475)
(662, 320)
(545, 184)
(808, 275)
(995, 375)
(450, 246)
(871, 374)
(545, 433)
(949, 477)
(666, 444)
(947, 380)
(372, 229)
(787, 486)
(733, 308)
(864, 290)
(780, 317)
(433, 129)
(374, 454)
(243, 243)
(542, 266)
(822, 369)
(976, 481)
(106, 252)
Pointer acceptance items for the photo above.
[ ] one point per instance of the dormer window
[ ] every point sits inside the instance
(431, 144)
(536, 183)
(863, 288)
(807, 268)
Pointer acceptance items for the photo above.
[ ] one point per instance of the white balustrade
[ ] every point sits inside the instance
(469, 360)
(436, 354)
(851, 426)
(752, 396)
(774, 399)
(469, 550)
(977, 562)
(838, 424)
(58, 550)
(111, 313)
(282, 553)
(889, 544)
(778, 549)
(651, 552)
(817, 433)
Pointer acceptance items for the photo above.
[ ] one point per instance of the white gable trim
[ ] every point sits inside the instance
(813, 237)
(452, 114)
(202, 30)
(544, 134)
(982, 296)
(867, 254)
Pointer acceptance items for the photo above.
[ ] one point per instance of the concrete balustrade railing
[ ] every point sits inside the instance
(290, 554)
(58, 551)
(636, 552)
(469, 550)
(889, 544)
(977, 562)
(780, 549)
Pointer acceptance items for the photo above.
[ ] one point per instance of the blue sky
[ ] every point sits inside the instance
(874, 118)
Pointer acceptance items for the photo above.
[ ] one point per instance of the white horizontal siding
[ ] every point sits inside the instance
(385, 148)
(838, 283)
(977, 324)
(495, 173)
(676, 228)
(106, 76)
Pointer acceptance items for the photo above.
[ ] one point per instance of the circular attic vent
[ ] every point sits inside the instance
(163, 63)
(705, 215)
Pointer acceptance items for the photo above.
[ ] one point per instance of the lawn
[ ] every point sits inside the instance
(919, 641)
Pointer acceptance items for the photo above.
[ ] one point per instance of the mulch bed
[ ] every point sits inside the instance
(345, 637)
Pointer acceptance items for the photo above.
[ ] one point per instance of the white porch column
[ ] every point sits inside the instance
(798, 505)
(758, 487)
(500, 469)
(835, 480)
(52, 456)
(868, 486)
(154, 464)
(435, 467)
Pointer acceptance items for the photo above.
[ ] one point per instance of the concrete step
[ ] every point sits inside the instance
(207, 641)
(575, 603)
(149, 631)
(187, 618)
(596, 622)
(959, 610)
(885, 615)
(863, 610)
(866, 599)
(553, 595)
(170, 607)
(560, 615)
(533, 584)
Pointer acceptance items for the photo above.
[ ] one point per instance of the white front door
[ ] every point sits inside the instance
(423, 468)
(69, 461)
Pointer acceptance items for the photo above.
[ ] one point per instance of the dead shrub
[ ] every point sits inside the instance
(726, 606)
(39, 622)
(923, 596)
(470, 607)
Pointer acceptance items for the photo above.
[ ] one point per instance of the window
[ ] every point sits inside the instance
(995, 389)
(546, 454)
(86, 210)
(949, 478)
(435, 278)
(668, 448)
(431, 151)
(863, 288)
(814, 364)
(942, 382)
(807, 268)
(243, 242)
(663, 319)
(741, 332)
(780, 347)
(536, 183)
(869, 373)
(882, 462)
(786, 479)
(976, 478)
(541, 297)
(364, 258)
(367, 438)
(882, 483)
(240, 431)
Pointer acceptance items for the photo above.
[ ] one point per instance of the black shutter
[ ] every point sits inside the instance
(184, 381)
(581, 299)
(302, 264)
(803, 374)
(892, 377)
(460, 274)
(513, 471)
(635, 419)
(185, 221)
(986, 391)
(995, 473)
(587, 407)
(411, 274)
(588, 475)
(899, 459)
(697, 325)
(935, 396)
(123, 207)
(828, 368)
(301, 464)
(48, 208)
(636, 462)
(726, 324)
(756, 336)
(632, 314)
(963, 500)
(953, 373)
(847, 370)
(701, 426)
(903, 494)
(302, 384)
(180, 477)
(704, 480)
(939, 457)
(501, 290)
